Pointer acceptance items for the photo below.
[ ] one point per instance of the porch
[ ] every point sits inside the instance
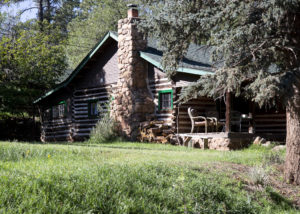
(240, 121)
(216, 140)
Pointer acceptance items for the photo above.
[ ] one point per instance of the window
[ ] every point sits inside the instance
(165, 100)
(59, 110)
(47, 114)
(93, 108)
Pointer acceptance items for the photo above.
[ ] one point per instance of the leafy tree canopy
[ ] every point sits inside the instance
(256, 42)
(92, 21)
(31, 62)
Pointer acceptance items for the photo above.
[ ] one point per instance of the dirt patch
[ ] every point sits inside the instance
(241, 173)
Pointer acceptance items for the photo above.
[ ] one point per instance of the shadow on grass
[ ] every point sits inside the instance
(279, 200)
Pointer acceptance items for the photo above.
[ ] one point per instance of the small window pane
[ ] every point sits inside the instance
(94, 109)
(165, 100)
(55, 112)
(61, 110)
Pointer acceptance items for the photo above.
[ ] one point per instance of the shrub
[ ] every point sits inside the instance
(104, 130)
(259, 175)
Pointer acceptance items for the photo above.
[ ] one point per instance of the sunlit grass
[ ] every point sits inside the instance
(124, 178)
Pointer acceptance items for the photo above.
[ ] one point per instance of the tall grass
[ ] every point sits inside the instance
(118, 189)
(81, 179)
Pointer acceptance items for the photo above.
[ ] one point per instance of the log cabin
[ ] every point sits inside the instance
(125, 69)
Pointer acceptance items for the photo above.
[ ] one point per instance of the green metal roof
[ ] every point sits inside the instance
(80, 66)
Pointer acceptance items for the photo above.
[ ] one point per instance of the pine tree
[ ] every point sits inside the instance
(256, 47)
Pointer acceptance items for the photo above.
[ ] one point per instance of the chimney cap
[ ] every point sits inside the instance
(132, 5)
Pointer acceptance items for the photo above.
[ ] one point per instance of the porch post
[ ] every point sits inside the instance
(251, 116)
(228, 112)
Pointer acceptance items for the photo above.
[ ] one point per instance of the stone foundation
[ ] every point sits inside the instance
(222, 144)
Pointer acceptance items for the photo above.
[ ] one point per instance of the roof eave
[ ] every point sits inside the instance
(79, 67)
(180, 69)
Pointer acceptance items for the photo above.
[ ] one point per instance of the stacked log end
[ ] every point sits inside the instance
(156, 132)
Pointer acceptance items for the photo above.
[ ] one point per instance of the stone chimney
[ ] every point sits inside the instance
(133, 102)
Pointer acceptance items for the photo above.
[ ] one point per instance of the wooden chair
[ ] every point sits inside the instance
(214, 116)
(199, 121)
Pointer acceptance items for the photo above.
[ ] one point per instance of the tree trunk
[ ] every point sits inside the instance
(292, 161)
(228, 112)
(48, 17)
(40, 14)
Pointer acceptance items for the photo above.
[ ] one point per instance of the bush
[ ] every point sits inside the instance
(105, 129)
(259, 175)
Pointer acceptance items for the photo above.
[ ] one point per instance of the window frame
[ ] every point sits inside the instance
(64, 103)
(159, 99)
(90, 108)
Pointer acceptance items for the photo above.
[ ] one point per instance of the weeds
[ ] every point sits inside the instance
(273, 158)
(259, 175)
(105, 130)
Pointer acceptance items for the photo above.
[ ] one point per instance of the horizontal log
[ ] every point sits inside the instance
(79, 130)
(80, 116)
(58, 138)
(78, 105)
(104, 87)
(78, 100)
(81, 112)
(54, 123)
(81, 135)
(92, 95)
(269, 115)
(270, 130)
(82, 120)
(85, 108)
(63, 134)
(160, 83)
(158, 80)
(52, 129)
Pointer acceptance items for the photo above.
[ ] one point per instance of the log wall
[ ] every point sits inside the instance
(79, 125)
(156, 85)
(56, 130)
(82, 123)
(271, 125)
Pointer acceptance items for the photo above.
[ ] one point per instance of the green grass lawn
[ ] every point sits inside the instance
(138, 178)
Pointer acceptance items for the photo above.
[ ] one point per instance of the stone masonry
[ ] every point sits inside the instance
(133, 102)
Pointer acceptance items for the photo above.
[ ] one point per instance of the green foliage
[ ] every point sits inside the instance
(105, 129)
(82, 179)
(256, 44)
(91, 24)
(31, 63)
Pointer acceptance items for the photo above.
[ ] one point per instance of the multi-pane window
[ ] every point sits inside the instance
(59, 110)
(165, 99)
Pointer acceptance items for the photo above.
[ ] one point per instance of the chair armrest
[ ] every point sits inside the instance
(213, 119)
(199, 117)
